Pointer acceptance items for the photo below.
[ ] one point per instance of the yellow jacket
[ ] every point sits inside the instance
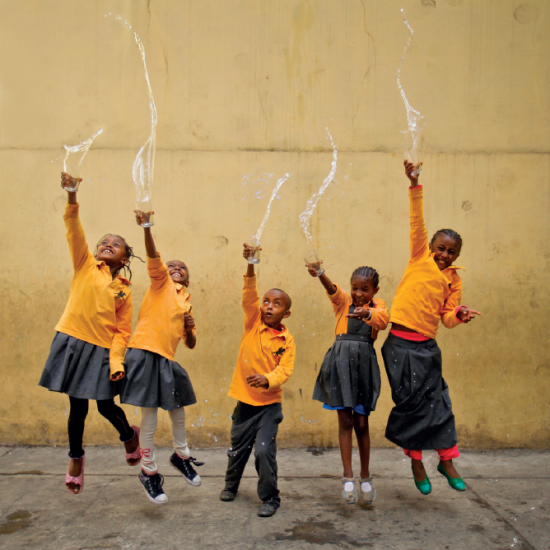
(161, 324)
(342, 300)
(425, 294)
(262, 351)
(99, 310)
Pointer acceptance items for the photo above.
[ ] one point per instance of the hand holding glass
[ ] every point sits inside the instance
(145, 210)
(313, 263)
(70, 183)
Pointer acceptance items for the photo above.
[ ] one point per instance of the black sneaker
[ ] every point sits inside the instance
(268, 509)
(153, 487)
(185, 467)
(227, 495)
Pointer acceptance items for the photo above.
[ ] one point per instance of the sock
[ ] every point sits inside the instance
(348, 486)
(366, 487)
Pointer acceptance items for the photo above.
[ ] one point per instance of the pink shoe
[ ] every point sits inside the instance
(133, 459)
(76, 480)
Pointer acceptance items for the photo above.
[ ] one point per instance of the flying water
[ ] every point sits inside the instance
(258, 235)
(305, 216)
(72, 164)
(144, 163)
(415, 121)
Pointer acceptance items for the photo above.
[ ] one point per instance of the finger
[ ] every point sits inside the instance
(475, 312)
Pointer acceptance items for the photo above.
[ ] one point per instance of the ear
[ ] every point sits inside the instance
(287, 314)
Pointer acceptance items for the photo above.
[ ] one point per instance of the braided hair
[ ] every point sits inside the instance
(125, 268)
(450, 233)
(368, 273)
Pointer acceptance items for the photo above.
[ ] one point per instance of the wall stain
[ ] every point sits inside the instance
(526, 14)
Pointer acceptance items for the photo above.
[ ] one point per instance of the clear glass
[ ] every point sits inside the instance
(146, 208)
(255, 258)
(412, 156)
(312, 260)
(74, 174)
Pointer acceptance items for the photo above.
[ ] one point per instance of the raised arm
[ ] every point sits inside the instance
(150, 247)
(313, 270)
(251, 298)
(419, 233)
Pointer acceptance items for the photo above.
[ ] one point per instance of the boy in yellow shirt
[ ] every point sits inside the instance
(265, 363)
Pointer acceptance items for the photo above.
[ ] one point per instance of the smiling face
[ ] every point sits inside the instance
(112, 250)
(178, 272)
(362, 291)
(274, 307)
(445, 250)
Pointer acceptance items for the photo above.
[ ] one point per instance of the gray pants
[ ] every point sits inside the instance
(256, 426)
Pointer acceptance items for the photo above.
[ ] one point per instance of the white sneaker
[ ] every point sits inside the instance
(349, 490)
(368, 493)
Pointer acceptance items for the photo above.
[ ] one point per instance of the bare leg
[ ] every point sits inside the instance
(449, 468)
(418, 470)
(361, 426)
(345, 432)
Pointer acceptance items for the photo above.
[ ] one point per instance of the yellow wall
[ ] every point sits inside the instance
(247, 87)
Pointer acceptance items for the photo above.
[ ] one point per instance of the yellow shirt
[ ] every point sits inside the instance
(341, 302)
(262, 351)
(99, 310)
(425, 294)
(161, 323)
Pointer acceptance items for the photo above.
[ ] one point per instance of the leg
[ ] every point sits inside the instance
(243, 434)
(147, 440)
(179, 434)
(417, 465)
(446, 460)
(361, 427)
(115, 415)
(345, 432)
(75, 425)
(265, 450)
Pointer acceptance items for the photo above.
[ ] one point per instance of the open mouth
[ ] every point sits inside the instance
(107, 251)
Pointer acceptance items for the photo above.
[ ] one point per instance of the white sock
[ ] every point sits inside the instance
(366, 487)
(348, 486)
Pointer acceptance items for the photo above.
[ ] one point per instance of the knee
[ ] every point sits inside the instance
(345, 423)
(105, 407)
(263, 451)
(362, 425)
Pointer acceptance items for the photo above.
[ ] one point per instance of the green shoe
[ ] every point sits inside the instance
(456, 483)
(424, 486)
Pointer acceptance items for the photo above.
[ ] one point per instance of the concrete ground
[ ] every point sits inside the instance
(506, 506)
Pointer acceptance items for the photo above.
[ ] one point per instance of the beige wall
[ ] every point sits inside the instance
(246, 87)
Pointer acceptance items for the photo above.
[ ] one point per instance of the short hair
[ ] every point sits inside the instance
(186, 267)
(288, 298)
(450, 233)
(368, 273)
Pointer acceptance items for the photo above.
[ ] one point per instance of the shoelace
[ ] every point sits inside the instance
(156, 482)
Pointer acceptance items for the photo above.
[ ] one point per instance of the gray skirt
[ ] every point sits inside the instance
(423, 415)
(154, 381)
(349, 375)
(78, 369)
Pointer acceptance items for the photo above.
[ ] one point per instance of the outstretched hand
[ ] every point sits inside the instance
(409, 169)
(360, 313)
(248, 251)
(68, 181)
(313, 269)
(465, 314)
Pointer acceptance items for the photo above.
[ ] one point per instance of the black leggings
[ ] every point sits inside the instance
(107, 408)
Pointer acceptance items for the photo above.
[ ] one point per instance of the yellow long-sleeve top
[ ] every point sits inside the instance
(263, 351)
(99, 310)
(161, 324)
(340, 303)
(425, 294)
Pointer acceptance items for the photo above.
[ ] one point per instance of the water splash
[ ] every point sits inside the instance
(73, 167)
(305, 216)
(257, 237)
(144, 163)
(415, 121)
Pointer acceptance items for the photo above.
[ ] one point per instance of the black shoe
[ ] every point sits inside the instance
(227, 496)
(153, 487)
(268, 509)
(185, 467)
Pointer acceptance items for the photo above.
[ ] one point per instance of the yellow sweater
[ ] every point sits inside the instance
(262, 351)
(161, 324)
(99, 310)
(425, 294)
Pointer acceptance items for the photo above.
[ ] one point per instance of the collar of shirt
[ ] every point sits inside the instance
(125, 281)
(272, 333)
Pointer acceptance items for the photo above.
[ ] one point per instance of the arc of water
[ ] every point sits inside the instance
(80, 148)
(144, 163)
(258, 234)
(305, 216)
(415, 121)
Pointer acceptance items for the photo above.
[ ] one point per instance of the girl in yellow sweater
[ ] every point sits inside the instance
(86, 355)
(430, 291)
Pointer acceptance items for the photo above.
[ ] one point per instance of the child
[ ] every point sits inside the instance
(349, 379)
(85, 360)
(154, 379)
(265, 363)
(429, 291)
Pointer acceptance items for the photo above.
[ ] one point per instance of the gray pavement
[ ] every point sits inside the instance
(506, 506)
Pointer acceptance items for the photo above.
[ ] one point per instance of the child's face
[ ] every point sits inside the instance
(178, 272)
(274, 308)
(445, 249)
(362, 291)
(112, 251)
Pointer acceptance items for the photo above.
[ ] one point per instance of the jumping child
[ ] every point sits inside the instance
(154, 379)
(349, 379)
(430, 290)
(86, 355)
(265, 363)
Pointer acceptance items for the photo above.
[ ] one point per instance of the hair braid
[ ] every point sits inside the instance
(450, 233)
(129, 254)
(368, 273)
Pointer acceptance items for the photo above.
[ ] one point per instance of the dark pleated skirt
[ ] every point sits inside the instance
(349, 376)
(154, 381)
(78, 369)
(423, 416)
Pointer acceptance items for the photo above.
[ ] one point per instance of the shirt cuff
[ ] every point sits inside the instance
(416, 187)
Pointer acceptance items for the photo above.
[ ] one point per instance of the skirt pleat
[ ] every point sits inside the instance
(154, 381)
(78, 369)
(349, 376)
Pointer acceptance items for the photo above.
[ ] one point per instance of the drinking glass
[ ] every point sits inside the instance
(146, 208)
(74, 173)
(312, 259)
(255, 258)
(412, 156)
